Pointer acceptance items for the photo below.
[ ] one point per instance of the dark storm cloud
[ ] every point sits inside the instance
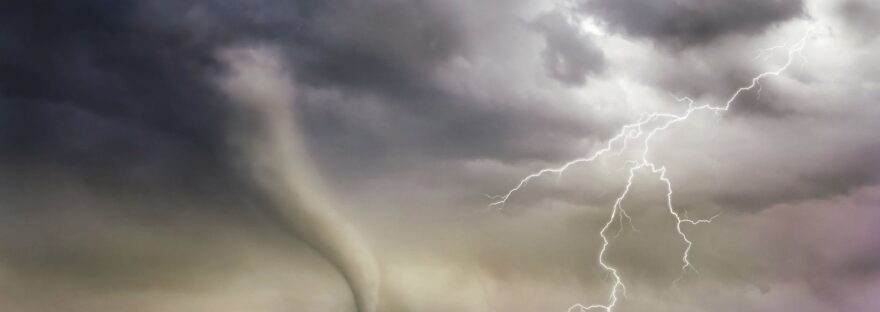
(437, 126)
(117, 175)
(108, 123)
(141, 66)
(387, 46)
(569, 55)
(691, 22)
(83, 84)
(117, 89)
(384, 58)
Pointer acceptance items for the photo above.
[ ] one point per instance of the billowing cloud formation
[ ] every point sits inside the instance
(569, 56)
(135, 177)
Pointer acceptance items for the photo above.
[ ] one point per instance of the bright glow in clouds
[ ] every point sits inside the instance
(644, 130)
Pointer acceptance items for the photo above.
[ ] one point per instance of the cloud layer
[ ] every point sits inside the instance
(123, 135)
(692, 22)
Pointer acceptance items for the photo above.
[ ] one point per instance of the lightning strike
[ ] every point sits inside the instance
(655, 123)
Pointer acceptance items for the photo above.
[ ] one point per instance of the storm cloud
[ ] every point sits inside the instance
(154, 155)
(684, 23)
(569, 55)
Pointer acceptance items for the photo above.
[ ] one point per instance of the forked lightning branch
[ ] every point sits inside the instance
(642, 132)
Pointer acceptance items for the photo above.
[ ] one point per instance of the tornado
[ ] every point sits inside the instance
(271, 152)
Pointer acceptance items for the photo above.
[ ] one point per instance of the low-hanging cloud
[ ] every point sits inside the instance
(691, 22)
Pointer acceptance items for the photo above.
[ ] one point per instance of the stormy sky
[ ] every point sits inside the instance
(339, 155)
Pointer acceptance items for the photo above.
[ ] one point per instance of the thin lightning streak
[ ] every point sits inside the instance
(618, 144)
(765, 53)
(623, 134)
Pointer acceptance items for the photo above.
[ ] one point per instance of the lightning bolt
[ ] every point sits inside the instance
(645, 128)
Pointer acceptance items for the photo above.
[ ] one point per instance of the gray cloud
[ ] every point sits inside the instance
(861, 16)
(686, 23)
(120, 188)
(569, 55)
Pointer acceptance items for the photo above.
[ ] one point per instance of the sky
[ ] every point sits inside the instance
(341, 155)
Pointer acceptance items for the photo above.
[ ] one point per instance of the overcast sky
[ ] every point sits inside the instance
(167, 155)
